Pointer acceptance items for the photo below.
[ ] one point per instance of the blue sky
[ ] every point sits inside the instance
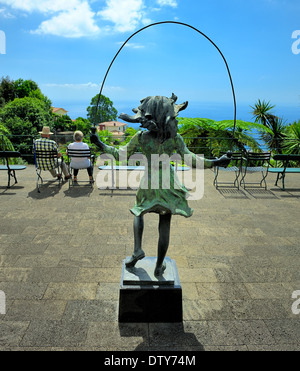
(66, 46)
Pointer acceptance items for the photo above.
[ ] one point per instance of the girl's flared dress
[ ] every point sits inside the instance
(160, 190)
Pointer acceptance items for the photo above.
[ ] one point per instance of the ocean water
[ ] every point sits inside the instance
(216, 111)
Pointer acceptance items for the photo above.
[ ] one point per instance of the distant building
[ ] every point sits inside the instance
(59, 111)
(115, 127)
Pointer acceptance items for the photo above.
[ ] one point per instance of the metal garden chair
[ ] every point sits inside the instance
(42, 158)
(79, 153)
(235, 167)
(256, 163)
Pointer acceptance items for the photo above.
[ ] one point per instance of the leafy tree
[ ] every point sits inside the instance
(105, 111)
(23, 88)
(7, 91)
(5, 143)
(243, 136)
(211, 137)
(29, 88)
(38, 94)
(24, 118)
(129, 133)
(27, 109)
(106, 137)
(195, 131)
(83, 125)
(63, 123)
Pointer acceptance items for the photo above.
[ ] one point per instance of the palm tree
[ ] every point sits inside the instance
(291, 143)
(261, 111)
(275, 139)
(276, 134)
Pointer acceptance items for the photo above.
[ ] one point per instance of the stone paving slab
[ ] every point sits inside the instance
(61, 254)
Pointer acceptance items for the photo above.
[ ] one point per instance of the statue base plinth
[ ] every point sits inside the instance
(146, 298)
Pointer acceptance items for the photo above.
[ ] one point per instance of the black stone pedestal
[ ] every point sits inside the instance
(146, 298)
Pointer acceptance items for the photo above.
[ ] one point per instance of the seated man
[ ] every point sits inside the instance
(46, 144)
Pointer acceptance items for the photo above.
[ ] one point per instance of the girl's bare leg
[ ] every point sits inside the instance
(138, 253)
(163, 243)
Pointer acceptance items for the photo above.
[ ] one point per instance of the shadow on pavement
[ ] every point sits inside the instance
(46, 190)
(78, 191)
(161, 336)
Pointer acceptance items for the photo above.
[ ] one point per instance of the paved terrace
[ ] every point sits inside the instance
(61, 253)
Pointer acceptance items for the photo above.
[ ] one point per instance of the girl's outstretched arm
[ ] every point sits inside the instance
(123, 152)
(192, 158)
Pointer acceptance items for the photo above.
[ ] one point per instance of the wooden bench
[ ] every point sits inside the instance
(11, 169)
(281, 171)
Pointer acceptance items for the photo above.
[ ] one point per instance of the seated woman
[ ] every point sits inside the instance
(80, 162)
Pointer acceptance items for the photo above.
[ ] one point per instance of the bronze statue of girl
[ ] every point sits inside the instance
(158, 115)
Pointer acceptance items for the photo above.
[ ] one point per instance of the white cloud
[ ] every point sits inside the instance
(82, 86)
(132, 45)
(125, 15)
(172, 3)
(78, 86)
(43, 6)
(5, 13)
(73, 23)
(70, 18)
(85, 18)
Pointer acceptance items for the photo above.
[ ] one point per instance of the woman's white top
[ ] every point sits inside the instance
(79, 162)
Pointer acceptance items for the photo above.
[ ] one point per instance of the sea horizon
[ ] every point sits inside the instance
(217, 111)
